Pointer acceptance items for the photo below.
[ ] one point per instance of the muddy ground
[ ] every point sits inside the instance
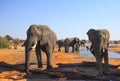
(66, 66)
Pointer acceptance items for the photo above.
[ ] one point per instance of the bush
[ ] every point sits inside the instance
(4, 43)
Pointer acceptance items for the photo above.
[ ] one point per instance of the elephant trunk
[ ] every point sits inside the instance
(29, 45)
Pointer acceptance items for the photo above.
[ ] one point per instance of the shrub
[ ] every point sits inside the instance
(4, 43)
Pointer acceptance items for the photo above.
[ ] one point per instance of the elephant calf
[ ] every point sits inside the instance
(40, 37)
(99, 47)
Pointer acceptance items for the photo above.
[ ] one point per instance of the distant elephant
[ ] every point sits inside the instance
(72, 42)
(82, 42)
(39, 37)
(60, 44)
(99, 47)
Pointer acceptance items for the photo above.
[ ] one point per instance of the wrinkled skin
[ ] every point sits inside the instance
(72, 42)
(40, 37)
(60, 44)
(99, 47)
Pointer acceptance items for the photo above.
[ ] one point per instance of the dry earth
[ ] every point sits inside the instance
(66, 66)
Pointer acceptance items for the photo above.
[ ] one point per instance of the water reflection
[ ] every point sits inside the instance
(85, 52)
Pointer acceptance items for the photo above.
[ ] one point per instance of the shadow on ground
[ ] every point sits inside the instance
(78, 71)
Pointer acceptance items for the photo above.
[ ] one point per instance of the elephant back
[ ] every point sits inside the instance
(71, 41)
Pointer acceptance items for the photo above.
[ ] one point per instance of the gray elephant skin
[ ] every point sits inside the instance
(72, 42)
(40, 37)
(60, 44)
(99, 47)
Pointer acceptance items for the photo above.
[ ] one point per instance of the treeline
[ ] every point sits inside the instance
(8, 41)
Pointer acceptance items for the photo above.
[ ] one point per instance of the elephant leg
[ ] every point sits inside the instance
(92, 51)
(73, 48)
(49, 57)
(66, 49)
(38, 55)
(99, 64)
(27, 61)
(106, 60)
(59, 50)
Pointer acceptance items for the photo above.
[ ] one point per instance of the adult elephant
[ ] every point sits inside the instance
(72, 42)
(99, 47)
(60, 44)
(40, 37)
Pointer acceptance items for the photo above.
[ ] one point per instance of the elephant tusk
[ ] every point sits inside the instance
(33, 46)
(103, 50)
(91, 49)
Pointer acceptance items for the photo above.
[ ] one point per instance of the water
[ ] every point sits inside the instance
(85, 52)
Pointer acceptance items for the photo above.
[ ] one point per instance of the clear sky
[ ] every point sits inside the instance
(68, 18)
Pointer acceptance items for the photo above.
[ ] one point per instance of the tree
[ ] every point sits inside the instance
(4, 43)
(9, 38)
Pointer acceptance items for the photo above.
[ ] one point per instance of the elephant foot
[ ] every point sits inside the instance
(49, 67)
(100, 74)
(66, 51)
(40, 66)
(106, 71)
(73, 51)
(28, 73)
(59, 50)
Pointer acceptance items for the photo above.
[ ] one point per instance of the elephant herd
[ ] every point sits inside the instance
(41, 37)
(69, 42)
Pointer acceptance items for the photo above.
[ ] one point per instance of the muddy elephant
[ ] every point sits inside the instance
(72, 42)
(60, 44)
(99, 47)
(40, 37)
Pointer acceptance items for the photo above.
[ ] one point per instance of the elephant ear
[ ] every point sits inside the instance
(45, 35)
(103, 36)
(104, 41)
(77, 40)
(91, 33)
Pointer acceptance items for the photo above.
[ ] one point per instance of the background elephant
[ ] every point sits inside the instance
(39, 37)
(82, 42)
(72, 42)
(60, 44)
(99, 47)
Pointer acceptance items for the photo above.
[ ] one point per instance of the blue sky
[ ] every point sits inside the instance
(68, 18)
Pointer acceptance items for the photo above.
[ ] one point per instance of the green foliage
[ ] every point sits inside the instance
(4, 43)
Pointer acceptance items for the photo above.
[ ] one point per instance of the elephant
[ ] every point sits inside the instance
(82, 42)
(99, 47)
(60, 44)
(72, 42)
(39, 37)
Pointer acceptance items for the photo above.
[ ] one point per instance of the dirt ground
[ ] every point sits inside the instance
(66, 66)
